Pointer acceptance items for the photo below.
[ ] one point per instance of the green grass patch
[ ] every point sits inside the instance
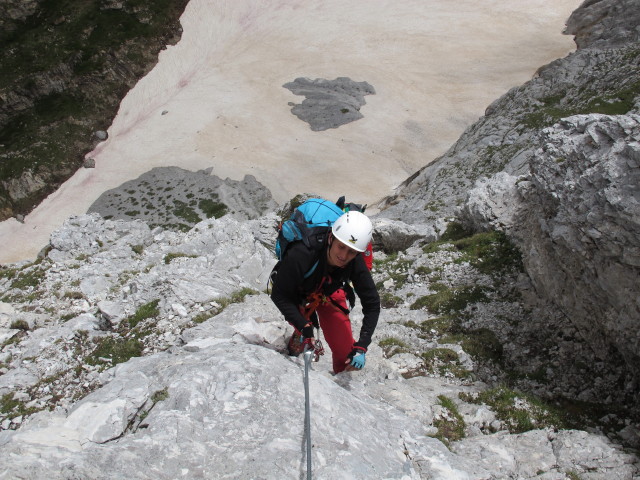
(119, 350)
(76, 44)
(392, 346)
(481, 344)
(444, 362)
(519, 412)
(73, 295)
(202, 317)
(396, 268)
(8, 273)
(451, 300)
(28, 277)
(212, 208)
(148, 310)
(20, 325)
(171, 256)
(618, 101)
(184, 211)
(389, 300)
(12, 407)
(439, 325)
(236, 297)
(160, 395)
(489, 252)
(451, 426)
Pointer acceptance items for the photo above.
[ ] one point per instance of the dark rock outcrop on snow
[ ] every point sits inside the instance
(329, 103)
(174, 198)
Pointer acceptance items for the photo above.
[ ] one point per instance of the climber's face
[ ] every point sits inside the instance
(339, 254)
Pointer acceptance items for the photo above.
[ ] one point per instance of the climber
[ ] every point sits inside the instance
(304, 299)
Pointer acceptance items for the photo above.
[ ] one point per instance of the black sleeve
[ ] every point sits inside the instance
(367, 292)
(287, 293)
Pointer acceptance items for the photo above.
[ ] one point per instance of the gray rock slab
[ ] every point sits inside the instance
(219, 400)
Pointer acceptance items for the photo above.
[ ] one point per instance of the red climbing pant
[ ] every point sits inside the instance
(336, 327)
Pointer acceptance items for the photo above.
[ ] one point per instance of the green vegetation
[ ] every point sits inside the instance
(444, 362)
(212, 208)
(618, 101)
(392, 346)
(236, 297)
(160, 395)
(481, 343)
(20, 325)
(12, 407)
(437, 326)
(171, 256)
(8, 273)
(451, 426)
(450, 300)
(286, 211)
(202, 317)
(118, 350)
(519, 412)
(395, 267)
(148, 310)
(73, 295)
(182, 210)
(30, 276)
(389, 300)
(76, 44)
(489, 252)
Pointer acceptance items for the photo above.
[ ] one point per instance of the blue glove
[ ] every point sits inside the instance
(358, 358)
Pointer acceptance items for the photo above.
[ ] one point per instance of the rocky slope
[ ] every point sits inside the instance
(567, 195)
(65, 68)
(126, 343)
(576, 217)
(507, 346)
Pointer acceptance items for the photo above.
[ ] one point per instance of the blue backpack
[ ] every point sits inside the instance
(310, 223)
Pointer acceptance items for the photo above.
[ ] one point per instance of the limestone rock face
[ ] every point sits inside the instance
(554, 163)
(605, 21)
(200, 385)
(576, 218)
(394, 235)
(583, 215)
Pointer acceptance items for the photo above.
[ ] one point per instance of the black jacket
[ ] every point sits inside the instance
(291, 289)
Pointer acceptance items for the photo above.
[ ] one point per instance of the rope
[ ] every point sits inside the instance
(307, 407)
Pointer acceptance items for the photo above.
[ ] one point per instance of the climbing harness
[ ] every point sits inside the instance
(308, 352)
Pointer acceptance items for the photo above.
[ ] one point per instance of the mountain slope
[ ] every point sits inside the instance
(157, 345)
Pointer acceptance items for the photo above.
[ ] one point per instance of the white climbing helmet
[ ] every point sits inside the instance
(354, 229)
